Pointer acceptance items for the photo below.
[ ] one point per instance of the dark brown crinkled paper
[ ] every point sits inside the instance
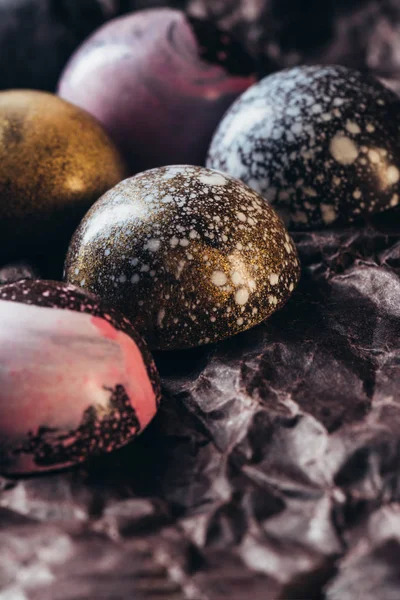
(273, 468)
(283, 33)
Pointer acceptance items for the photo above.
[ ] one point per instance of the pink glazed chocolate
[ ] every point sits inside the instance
(76, 379)
(156, 86)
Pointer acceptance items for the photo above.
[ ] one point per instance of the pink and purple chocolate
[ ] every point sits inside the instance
(76, 379)
(160, 92)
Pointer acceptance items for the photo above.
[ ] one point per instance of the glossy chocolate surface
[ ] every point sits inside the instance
(55, 161)
(189, 255)
(76, 378)
(319, 143)
(159, 82)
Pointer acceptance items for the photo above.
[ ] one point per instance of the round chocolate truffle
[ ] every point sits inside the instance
(319, 143)
(55, 161)
(191, 256)
(159, 82)
(76, 378)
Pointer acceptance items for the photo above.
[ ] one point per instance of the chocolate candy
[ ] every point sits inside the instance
(159, 82)
(55, 161)
(320, 143)
(191, 256)
(76, 378)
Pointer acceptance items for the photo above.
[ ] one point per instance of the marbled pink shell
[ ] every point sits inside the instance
(75, 381)
(145, 78)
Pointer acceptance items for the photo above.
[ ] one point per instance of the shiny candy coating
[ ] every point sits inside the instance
(159, 82)
(55, 161)
(76, 379)
(189, 255)
(319, 143)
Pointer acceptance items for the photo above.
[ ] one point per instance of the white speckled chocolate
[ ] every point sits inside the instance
(190, 255)
(320, 143)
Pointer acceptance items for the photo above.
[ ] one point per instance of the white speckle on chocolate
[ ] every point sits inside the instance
(219, 278)
(191, 269)
(343, 149)
(328, 213)
(153, 245)
(241, 296)
(353, 128)
(312, 136)
(242, 217)
(274, 278)
(237, 278)
(392, 175)
(172, 172)
(373, 156)
(214, 179)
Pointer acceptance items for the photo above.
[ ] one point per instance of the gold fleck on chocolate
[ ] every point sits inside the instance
(190, 255)
(55, 161)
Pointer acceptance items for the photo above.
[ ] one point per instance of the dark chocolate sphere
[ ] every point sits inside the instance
(55, 161)
(159, 82)
(76, 378)
(320, 143)
(191, 256)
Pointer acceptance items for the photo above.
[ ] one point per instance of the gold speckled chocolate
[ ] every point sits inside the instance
(55, 161)
(190, 255)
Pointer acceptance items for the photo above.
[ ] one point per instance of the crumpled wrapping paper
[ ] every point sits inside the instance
(272, 469)
(284, 33)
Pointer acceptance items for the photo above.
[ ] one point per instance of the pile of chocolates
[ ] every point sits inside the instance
(189, 254)
(201, 230)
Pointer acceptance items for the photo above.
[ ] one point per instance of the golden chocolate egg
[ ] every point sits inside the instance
(55, 161)
(190, 255)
